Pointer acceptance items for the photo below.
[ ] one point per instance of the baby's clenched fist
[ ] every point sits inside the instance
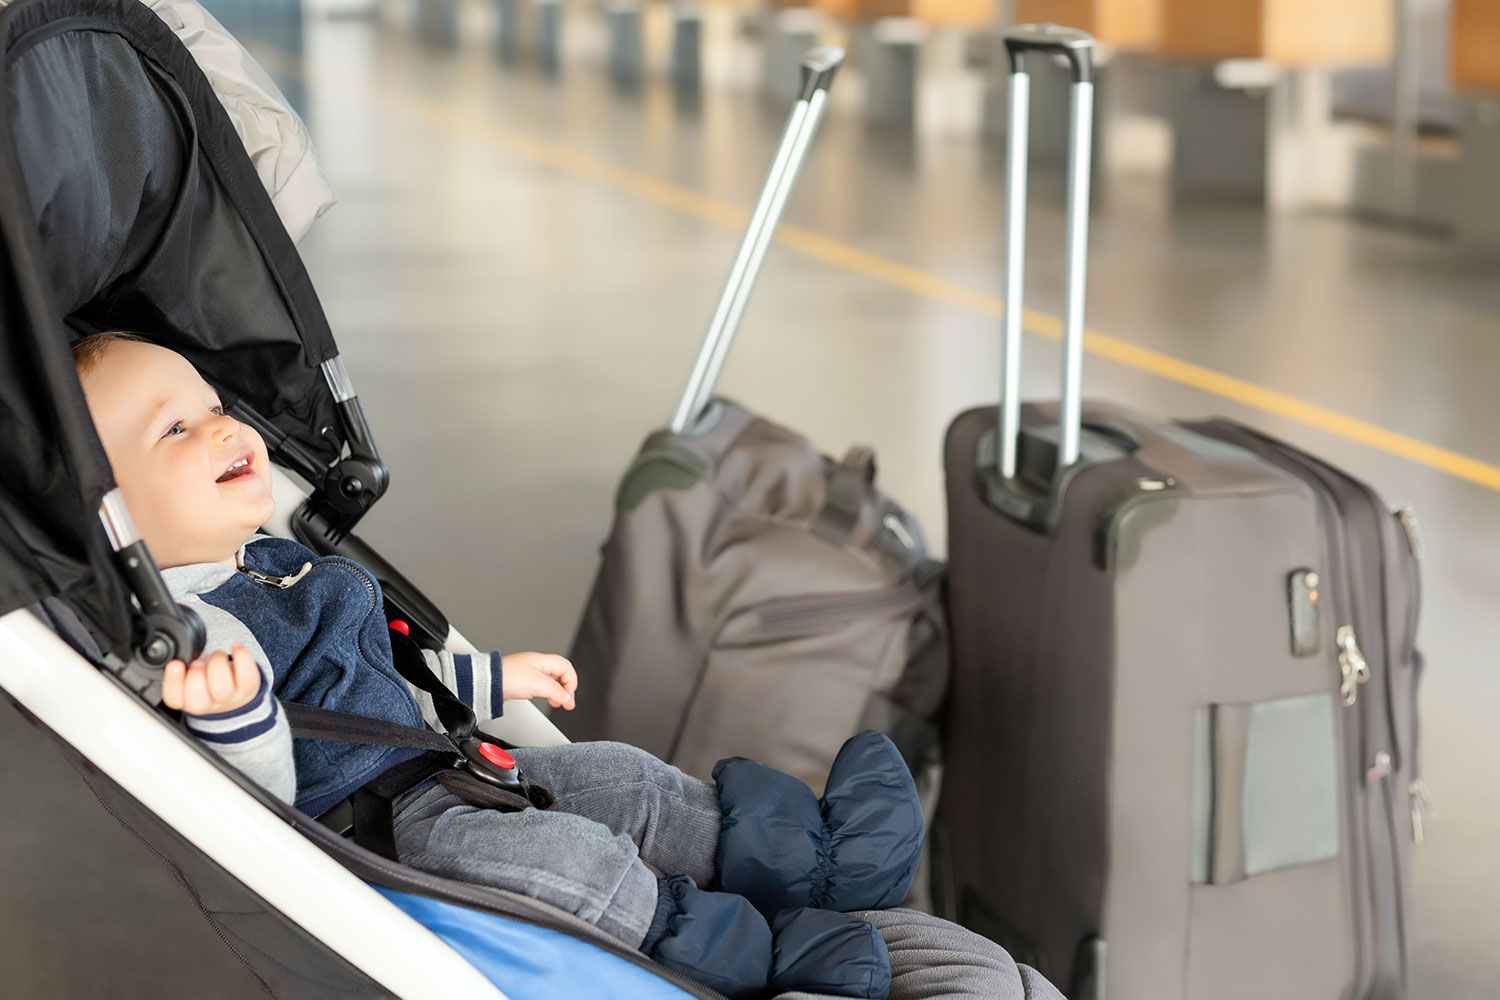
(218, 682)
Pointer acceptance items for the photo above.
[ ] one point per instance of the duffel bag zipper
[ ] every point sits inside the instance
(793, 614)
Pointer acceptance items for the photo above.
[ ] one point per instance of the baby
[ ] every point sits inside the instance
(746, 884)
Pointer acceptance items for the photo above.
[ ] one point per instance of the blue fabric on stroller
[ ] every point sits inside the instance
(534, 963)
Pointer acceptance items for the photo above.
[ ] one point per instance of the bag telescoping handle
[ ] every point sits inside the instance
(1078, 48)
(817, 68)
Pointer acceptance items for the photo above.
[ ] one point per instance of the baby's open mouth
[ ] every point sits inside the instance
(239, 470)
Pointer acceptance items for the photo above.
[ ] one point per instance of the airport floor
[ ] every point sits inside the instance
(518, 271)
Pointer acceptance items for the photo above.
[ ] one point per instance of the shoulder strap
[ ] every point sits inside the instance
(457, 718)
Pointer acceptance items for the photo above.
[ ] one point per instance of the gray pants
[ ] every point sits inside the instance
(622, 817)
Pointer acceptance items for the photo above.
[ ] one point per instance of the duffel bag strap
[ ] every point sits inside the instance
(848, 483)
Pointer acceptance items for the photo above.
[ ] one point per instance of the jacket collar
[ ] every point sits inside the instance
(200, 578)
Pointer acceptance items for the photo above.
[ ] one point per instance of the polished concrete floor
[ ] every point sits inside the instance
(518, 272)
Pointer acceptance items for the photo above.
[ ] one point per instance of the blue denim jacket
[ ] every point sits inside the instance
(325, 634)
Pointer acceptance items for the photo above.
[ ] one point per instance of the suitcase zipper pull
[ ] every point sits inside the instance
(1352, 664)
(1408, 518)
(1422, 809)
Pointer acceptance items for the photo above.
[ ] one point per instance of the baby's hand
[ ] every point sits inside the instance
(219, 682)
(539, 675)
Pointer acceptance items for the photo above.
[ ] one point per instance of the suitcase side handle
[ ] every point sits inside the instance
(818, 68)
(1078, 48)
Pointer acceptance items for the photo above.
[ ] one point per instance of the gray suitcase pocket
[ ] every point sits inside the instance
(1266, 787)
(1270, 911)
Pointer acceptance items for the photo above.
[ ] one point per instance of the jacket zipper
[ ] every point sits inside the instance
(283, 582)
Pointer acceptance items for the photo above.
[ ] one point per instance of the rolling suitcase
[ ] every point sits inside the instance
(754, 597)
(1182, 742)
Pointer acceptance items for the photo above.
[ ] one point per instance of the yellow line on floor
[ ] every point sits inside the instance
(916, 281)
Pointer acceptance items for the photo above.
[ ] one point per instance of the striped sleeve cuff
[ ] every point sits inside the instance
(255, 718)
(474, 679)
(477, 682)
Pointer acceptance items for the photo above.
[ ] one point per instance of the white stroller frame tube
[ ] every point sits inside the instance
(1077, 46)
(818, 67)
(118, 524)
(141, 753)
(337, 377)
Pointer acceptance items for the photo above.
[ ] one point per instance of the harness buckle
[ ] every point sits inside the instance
(492, 764)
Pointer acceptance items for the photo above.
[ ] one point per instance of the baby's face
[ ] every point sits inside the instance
(198, 482)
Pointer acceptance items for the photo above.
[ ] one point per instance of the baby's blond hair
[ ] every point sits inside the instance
(88, 351)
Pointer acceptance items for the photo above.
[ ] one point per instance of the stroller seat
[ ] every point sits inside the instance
(127, 201)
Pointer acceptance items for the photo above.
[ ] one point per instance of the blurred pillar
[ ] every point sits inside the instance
(1477, 176)
(1405, 95)
(508, 29)
(687, 44)
(530, 26)
(1250, 100)
(437, 22)
(1475, 35)
(626, 48)
(549, 33)
(791, 33)
(1219, 136)
(892, 58)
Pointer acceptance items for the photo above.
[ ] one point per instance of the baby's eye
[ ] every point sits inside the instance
(174, 429)
(217, 411)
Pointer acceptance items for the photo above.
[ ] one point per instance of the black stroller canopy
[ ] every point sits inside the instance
(127, 202)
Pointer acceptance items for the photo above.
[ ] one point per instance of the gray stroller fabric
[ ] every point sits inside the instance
(936, 959)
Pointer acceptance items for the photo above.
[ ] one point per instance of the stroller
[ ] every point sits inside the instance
(127, 201)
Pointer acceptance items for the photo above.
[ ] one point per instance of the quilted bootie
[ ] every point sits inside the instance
(855, 849)
(717, 938)
(828, 953)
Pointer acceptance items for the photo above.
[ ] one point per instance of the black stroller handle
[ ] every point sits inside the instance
(165, 630)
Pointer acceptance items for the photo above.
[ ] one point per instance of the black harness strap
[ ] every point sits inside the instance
(457, 718)
(310, 723)
(449, 758)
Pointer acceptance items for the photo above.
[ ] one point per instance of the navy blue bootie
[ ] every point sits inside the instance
(717, 938)
(826, 952)
(856, 849)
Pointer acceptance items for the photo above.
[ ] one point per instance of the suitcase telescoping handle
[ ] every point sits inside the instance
(818, 68)
(1078, 48)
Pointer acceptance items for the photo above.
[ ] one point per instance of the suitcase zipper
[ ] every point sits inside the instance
(1352, 664)
(1408, 518)
(1422, 809)
(1350, 658)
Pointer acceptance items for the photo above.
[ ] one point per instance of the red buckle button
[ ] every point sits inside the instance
(497, 756)
(397, 625)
